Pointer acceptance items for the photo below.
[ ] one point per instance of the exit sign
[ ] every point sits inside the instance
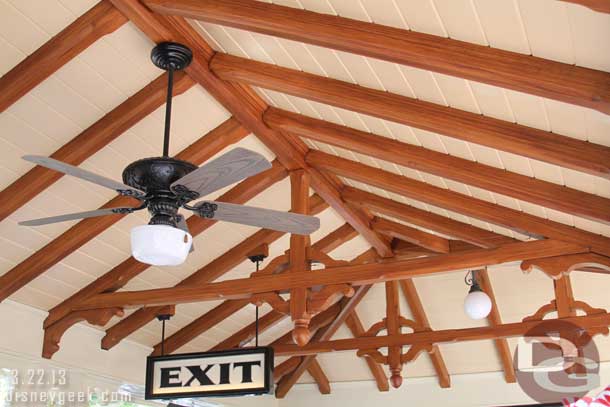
(211, 374)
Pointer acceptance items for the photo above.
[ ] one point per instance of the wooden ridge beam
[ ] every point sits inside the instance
(420, 238)
(429, 220)
(355, 326)
(245, 104)
(86, 229)
(351, 274)
(494, 319)
(211, 271)
(98, 21)
(348, 305)
(483, 176)
(602, 6)
(91, 140)
(419, 315)
(466, 205)
(129, 268)
(443, 336)
(526, 141)
(524, 73)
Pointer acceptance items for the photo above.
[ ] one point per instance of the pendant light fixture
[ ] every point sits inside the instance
(477, 303)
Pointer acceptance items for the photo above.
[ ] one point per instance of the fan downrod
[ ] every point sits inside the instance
(172, 55)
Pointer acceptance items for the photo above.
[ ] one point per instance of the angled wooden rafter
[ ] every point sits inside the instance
(483, 176)
(98, 21)
(412, 235)
(85, 230)
(524, 73)
(499, 134)
(91, 140)
(247, 107)
(602, 6)
(518, 221)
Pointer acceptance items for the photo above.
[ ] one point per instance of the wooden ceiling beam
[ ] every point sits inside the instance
(602, 6)
(524, 73)
(211, 271)
(227, 133)
(442, 336)
(419, 315)
(483, 176)
(90, 141)
(216, 268)
(315, 370)
(101, 19)
(486, 211)
(494, 319)
(357, 329)
(352, 274)
(420, 238)
(429, 220)
(507, 136)
(348, 305)
(245, 104)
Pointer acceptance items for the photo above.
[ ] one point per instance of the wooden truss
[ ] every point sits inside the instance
(321, 301)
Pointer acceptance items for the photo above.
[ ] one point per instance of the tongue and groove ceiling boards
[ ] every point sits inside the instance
(426, 128)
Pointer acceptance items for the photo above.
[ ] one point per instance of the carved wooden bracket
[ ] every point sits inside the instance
(575, 306)
(54, 332)
(556, 267)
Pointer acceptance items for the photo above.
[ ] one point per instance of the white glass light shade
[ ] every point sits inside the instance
(477, 305)
(160, 245)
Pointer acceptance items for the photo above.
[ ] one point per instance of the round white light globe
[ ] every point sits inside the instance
(477, 305)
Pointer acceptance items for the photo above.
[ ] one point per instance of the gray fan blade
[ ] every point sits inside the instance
(264, 218)
(182, 225)
(227, 169)
(77, 172)
(77, 215)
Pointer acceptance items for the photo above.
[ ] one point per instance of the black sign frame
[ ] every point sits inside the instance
(268, 374)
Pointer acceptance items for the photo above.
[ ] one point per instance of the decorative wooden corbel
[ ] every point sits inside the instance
(54, 332)
(320, 300)
(556, 267)
(574, 306)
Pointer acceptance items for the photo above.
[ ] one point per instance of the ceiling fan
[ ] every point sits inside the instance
(164, 184)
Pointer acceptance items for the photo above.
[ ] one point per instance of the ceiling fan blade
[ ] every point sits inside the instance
(77, 215)
(79, 173)
(264, 218)
(227, 169)
(182, 225)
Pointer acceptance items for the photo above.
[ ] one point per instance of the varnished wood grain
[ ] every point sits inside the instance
(353, 274)
(420, 238)
(100, 20)
(524, 73)
(483, 176)
(466, 205)
(603, 6)
(506, 136)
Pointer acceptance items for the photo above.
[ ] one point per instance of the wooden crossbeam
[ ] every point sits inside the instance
(211, 271)
(494, 319)
(447, 226)
(419, 315)
(442, 336)
(417, 237)
(466, 205)
(98, 21)
(248, 108)
(483, 176)
(355, 326)
(90, 141)
(524, 73)
(529, 142)
(351, 274)
(129, 268)
(603, 6)
(227, 133)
